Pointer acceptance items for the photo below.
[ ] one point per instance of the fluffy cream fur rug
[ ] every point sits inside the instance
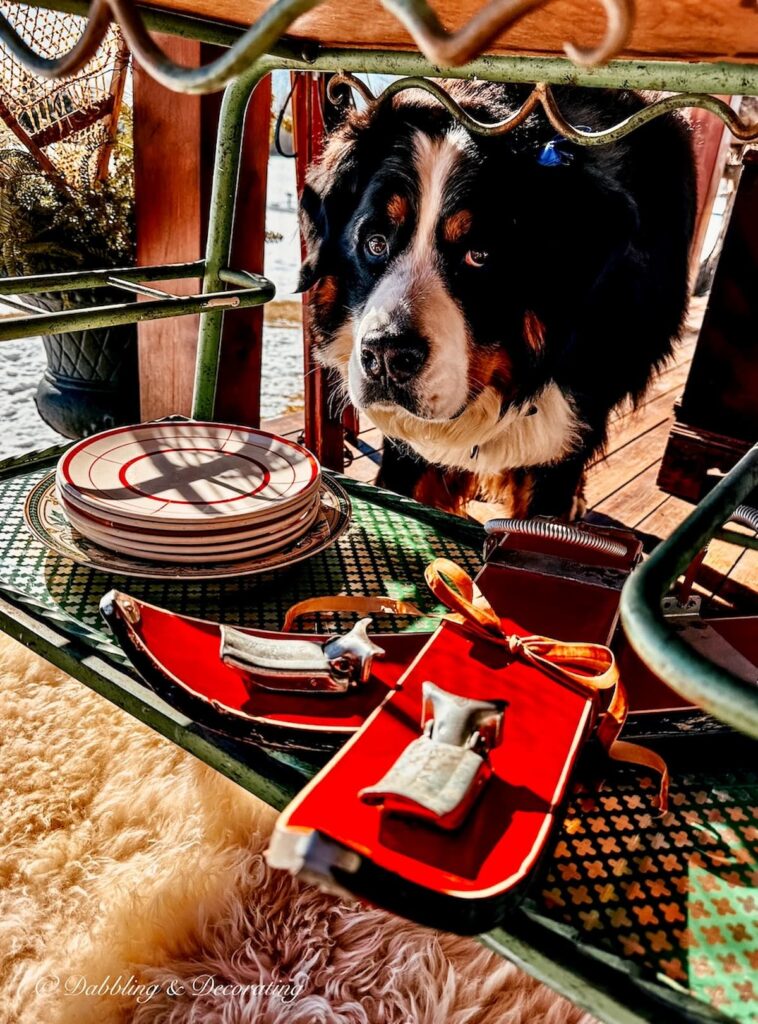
(132, 888)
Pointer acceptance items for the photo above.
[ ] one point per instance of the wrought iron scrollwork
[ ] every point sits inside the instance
(542, 96)
(441, 47)
(453, 49)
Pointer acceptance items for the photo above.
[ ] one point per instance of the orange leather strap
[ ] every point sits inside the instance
(596, 664)
(359, 605)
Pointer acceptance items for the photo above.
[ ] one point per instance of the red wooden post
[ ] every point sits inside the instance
(167, 130)
(174, 142)
(323, 430)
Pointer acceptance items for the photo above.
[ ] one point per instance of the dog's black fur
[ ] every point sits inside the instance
(585, 284)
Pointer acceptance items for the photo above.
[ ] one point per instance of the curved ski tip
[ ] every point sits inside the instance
(115, 605)
(108, 604)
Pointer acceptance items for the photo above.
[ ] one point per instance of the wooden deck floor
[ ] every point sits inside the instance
(622, 487)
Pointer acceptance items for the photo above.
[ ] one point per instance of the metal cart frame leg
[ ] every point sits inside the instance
(226, 170)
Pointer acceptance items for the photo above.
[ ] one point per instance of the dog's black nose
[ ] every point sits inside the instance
(395, 359)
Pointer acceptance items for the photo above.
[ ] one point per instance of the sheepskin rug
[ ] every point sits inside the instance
(133, 888)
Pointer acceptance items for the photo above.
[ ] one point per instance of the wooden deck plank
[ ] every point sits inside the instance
(660, 523)
(288, 425)
(364, 469)
(657, 406)
(371, 435)
(740, 587)
(627, 463)
(633, 503)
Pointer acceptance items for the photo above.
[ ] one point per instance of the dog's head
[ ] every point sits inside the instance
(445, 265)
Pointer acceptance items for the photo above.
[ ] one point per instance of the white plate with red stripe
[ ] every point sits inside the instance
(169, 550)
(205, 476)
(49, 523)
(160, 532)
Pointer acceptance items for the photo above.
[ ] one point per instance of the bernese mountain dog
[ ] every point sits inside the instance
(489, 300)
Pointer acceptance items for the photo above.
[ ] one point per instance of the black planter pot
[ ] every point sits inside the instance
(91, 380)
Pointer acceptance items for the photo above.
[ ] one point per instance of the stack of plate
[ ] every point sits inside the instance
(189, 492)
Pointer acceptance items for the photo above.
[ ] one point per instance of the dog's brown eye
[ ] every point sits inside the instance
(376, 245)
(476, 257)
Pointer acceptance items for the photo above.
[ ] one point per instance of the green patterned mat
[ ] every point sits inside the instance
(674, 897)
(384, 552)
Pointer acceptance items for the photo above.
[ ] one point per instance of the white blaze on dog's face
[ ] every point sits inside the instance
(411, 309)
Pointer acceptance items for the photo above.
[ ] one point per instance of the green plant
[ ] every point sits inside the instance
(47, 228)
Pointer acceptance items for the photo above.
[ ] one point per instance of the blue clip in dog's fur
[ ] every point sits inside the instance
(556, 152)
(553, 153)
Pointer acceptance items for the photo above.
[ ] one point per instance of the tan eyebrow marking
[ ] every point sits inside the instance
(325, 293)
(456, 226)
(397, 209)
(534, 331)
(486, 366)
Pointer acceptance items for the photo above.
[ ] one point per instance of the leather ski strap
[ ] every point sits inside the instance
(596, 663)
(360, 605)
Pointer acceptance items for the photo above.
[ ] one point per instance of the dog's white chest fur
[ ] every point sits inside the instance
(482, 441)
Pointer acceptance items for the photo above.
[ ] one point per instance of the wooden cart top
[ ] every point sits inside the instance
(722, 30)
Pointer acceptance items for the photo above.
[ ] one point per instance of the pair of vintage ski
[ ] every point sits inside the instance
(453, 750)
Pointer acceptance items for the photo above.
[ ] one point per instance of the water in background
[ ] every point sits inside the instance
(22, 363)
(282, 376)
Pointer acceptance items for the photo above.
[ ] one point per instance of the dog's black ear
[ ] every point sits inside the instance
(326, 204)
(330, 196)
(314, 226)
